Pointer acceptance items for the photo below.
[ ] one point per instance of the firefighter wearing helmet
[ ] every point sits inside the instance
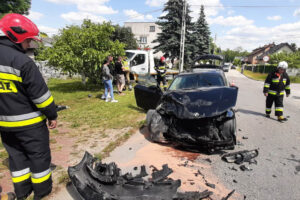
(25, 105)
(161, 70)
(276, 83)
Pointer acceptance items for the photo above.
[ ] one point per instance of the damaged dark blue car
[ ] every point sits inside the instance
(197, 110)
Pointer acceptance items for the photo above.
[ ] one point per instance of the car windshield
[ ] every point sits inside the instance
(195, 81)
(129, 55)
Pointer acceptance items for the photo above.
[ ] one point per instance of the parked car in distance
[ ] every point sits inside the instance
(226, 67)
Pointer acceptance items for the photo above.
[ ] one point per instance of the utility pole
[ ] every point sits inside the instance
(182, 39)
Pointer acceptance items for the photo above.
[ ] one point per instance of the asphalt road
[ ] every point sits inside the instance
(276, 176)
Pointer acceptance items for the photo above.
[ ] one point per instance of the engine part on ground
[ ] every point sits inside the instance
(59, 108)
(95, 180)
(240, 156)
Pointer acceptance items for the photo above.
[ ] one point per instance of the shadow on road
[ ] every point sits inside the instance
(251, 112)
(191, 149)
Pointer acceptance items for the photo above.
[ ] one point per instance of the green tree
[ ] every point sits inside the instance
(14, 6)
(125, 35)
(230, 55)
(169, 39)
(201, 34)
(83, 49)
(293, 59)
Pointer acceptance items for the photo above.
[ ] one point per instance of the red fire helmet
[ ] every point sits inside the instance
(18, 28)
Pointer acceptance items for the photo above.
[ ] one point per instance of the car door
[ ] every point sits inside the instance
(147, 93)
(139, 64)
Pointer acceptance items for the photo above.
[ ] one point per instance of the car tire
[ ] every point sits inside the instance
(229, 129)
(156, 126)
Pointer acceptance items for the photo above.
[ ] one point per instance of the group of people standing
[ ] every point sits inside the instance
(121, 70)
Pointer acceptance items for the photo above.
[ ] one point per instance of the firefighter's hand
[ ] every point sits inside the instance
(52, 124)
(266, 94)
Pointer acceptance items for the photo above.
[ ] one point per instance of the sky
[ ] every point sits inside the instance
(234, 24)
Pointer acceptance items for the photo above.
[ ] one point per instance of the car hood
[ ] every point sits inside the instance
(198, 103)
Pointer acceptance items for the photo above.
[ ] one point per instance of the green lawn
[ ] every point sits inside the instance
(262, 77)
(93, 111)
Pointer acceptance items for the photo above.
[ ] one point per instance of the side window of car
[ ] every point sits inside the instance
(139, 59)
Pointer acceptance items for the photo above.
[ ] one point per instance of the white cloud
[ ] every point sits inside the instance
(135, 16)
(230, 12)
(90, 6)
(155, 3)
(50, 31)
(274, 18)
(297, 12)
(230, 21)
(251, 36)
(35, 15)
(211, 7)
(78, 17)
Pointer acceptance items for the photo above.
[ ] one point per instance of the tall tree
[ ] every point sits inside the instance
(169, 39)
(125, 35)
(201, 34)
(82, 49)
(14, 6)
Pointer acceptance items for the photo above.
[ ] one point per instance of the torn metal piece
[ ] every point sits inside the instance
(240, 156)
(99, 181)
(229, 195)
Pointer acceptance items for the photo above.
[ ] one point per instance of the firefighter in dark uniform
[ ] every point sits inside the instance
(275, 85)
(161, 70)
(25, 105)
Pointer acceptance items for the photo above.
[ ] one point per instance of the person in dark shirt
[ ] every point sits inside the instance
(119, 69)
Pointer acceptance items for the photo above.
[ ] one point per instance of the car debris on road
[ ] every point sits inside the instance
(95, 180)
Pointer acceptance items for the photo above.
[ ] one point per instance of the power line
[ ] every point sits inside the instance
(248, 6)
(137, 15)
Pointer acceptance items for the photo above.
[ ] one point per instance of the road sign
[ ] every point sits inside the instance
(266, 58)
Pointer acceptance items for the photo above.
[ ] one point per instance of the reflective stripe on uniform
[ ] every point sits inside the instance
(267, 85)
(19, 176)
(279, 109)
(287, 87)
(275, 80)
(10, 73)
(281, 93)
(44, 100)
(41, 177)
(21, 120)
(268, 109)
(272, 92)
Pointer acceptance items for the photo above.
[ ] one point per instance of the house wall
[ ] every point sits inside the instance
(142, 30)
(284, 49)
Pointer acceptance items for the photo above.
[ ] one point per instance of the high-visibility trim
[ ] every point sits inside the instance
(268, 109)
(284, 82)
(267, 85)
(21, 178)
(272, 92)
(275, 80)
(287, 87)
(281, 93)
(11, 77)
(21, 120)
(10, 70)
(41, 179)
(45, 103)
(162, 68)
(20, 173)
(43, 98)
(41, 174)
(7, 87)
(278, 109)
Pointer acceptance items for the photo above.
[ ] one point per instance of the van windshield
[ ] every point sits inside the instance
(129, 55)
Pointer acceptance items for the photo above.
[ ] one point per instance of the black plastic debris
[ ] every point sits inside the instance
(244, 138)
(240, 156)
(59, 108)
(229, 195)
(95, 180)
(245, 168)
